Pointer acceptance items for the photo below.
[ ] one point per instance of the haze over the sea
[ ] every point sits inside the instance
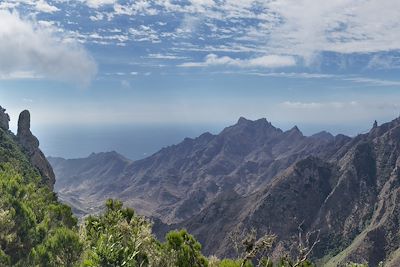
(142, 140)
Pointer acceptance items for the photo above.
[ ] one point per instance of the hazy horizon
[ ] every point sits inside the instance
(141, 140)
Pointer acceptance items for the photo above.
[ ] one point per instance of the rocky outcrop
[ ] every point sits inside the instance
(4, 119)
(31, 146)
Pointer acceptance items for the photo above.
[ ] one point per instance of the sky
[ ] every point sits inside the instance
(198, 64)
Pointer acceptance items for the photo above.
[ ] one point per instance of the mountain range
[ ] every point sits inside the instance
(254, 175)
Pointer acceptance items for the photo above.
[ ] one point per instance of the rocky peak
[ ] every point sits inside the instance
(24, 122)
(260, 122)
(324, 135)
(294, 132)
(4, 119)
(243, 120)
(31, 146)
(24, 134)
(260, 125)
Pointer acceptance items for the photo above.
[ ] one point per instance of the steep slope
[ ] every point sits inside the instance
(31, 218)
(351, 197)
(253, 175)
(81, 181)
(179, 181)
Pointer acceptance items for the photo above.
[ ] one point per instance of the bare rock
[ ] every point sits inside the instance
(4, 119)
(31, 145)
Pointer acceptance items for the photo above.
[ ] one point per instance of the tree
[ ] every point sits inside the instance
(119, 238)
(186, 248)
(61, 248)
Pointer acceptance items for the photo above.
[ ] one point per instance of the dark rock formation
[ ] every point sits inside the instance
(31, 146)
(4, 119)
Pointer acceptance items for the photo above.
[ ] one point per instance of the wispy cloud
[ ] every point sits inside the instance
(294, 75)
(319, 105)
(338, 111)
(38, 5)
(304, 75)
(373, 82)
(99, 3)
(17, 75)
(269, 61)
(336, 26)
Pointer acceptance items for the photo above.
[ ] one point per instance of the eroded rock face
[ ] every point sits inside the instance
(26, 138)
(31, 145)
(4, 119)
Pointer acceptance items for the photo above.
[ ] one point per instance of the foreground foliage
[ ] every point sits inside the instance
(35, 229)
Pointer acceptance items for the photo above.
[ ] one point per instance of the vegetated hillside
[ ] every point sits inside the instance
(179, 181)
(31, 218)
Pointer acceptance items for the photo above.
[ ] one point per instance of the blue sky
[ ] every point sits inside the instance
(318, 64)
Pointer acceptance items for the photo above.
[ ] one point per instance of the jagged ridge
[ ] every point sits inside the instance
(255, 175)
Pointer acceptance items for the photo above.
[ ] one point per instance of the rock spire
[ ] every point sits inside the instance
(4, 119)
(31, 145)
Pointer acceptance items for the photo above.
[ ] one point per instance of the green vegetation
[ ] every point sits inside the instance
(36, 230)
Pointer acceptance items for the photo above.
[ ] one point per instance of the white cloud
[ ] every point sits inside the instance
(319, 105)
(295, 75)
(340, 26)
(144, 33)
(137, 7)
(303, 28)
(8, 5)
(97, 17)
(38, 5)
(19, 75)
(36, 48)
(165, 56)
(45, 7)
(269, 61)
(373, 82)
(340, 112)
(300, 29)
(99, 3)
(384, 62)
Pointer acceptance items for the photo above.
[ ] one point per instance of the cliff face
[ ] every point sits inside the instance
(30, 145)
(4, 119)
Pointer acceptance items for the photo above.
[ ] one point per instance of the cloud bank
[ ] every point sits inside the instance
(40, 50)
